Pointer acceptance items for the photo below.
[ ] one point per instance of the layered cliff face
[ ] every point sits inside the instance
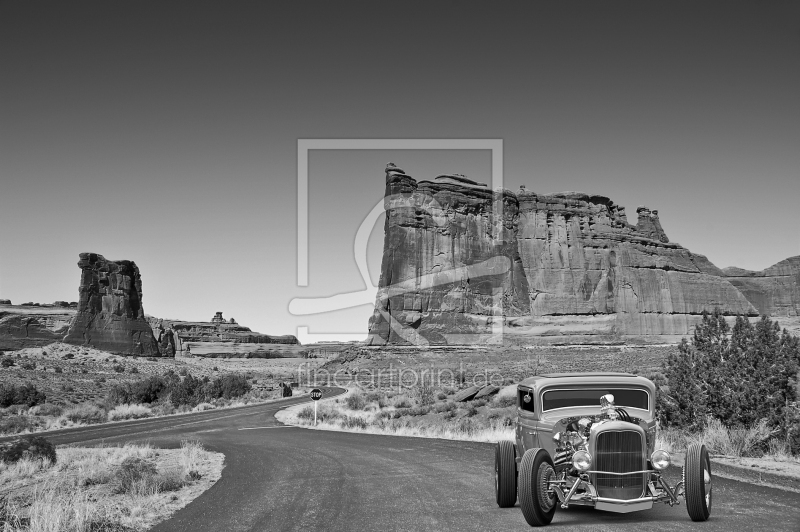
(110, 314)
(451, 268)
(215, 338)
(774, 291)
(558, 264)
(24, 326)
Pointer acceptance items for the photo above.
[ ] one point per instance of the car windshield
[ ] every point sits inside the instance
(623, 397)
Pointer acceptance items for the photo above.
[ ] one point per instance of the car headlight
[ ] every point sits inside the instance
(582, 460)
(660, 459)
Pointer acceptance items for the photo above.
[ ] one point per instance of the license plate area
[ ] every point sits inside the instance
(622, 508)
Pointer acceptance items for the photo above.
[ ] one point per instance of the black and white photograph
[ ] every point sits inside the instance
(410, 266)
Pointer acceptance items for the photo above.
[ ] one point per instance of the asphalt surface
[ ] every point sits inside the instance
(289, 478)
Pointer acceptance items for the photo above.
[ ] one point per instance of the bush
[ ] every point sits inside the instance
(356, 401)
(14, 425)
(58, 370)
(228, 387)
(28, 365)
(353, 422)
(7, 362)
(27, 394)
(129, 412)
(504, 401)
(32, 448)
(131, 471)
(740, 375)
(85, 413)
(46, 409)
(147, 390)
(119, 368)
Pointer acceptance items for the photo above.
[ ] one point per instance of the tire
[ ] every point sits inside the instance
(698, 482)
(505, 474)
(538, 506)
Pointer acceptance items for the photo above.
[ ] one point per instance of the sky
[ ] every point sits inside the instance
(166, 133)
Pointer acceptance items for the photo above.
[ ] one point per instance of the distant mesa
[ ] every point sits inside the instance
(218, 338)
(110, 315)
(556, 267)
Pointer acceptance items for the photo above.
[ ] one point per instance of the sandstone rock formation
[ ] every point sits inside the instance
(455, 270)
(29, 326)
(774, 291)
(217, 338)
(450, 265)
(110, 314)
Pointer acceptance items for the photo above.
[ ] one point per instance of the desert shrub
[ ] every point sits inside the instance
(425, 395)
(46, 409)
(14, 424)
(450, 414)
(183, 372)
(100, 380)
(353, 422)
(739, 375)
(147, 390)
(441, 396)
(32, 448)
(119, 368)
(227, 387)
(134, 369)
(503, 401)
(471, 410)
(57, 369)
(28, 365)
(479, 403)
(7, 362)
(401, 401)
(131, 471)
(306, 413)
(27, 394)
(85, 413)
(127, 411)
(187, 391)
(445, 407)
(356, 401)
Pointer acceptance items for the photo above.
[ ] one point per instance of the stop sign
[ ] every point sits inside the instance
(316, 394)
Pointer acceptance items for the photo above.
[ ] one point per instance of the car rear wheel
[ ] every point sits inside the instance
(538, 503)
(505, 474)
(697, 482)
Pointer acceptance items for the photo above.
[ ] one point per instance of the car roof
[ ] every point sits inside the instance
(588, 378)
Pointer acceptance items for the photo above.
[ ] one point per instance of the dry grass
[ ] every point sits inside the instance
(127, 411)
(84, 490)
(720, 440)
(406, 415)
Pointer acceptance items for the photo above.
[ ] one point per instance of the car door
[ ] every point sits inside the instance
(527, 425)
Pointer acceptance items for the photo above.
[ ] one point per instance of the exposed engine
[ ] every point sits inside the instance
(575, 435)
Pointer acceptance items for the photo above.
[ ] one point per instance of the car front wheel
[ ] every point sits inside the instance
(697, 482)
(537, 501)
(505, 474)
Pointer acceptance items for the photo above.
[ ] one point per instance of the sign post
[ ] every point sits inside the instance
(316, 395)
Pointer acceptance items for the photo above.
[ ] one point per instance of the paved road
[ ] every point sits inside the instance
(287, 478)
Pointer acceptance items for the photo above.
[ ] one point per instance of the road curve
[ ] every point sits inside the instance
(288, 478)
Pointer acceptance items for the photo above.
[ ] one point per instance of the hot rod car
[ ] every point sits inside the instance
(589, 439)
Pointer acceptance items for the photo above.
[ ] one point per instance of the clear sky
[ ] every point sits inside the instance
(166, 133)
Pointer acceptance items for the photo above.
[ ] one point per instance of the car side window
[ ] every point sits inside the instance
(525, 400)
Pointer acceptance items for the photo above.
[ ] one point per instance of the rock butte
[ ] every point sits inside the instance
(217, 338)
(110, 314)
(553, 266)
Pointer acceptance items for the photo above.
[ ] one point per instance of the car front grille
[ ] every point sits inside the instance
(619, 452)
